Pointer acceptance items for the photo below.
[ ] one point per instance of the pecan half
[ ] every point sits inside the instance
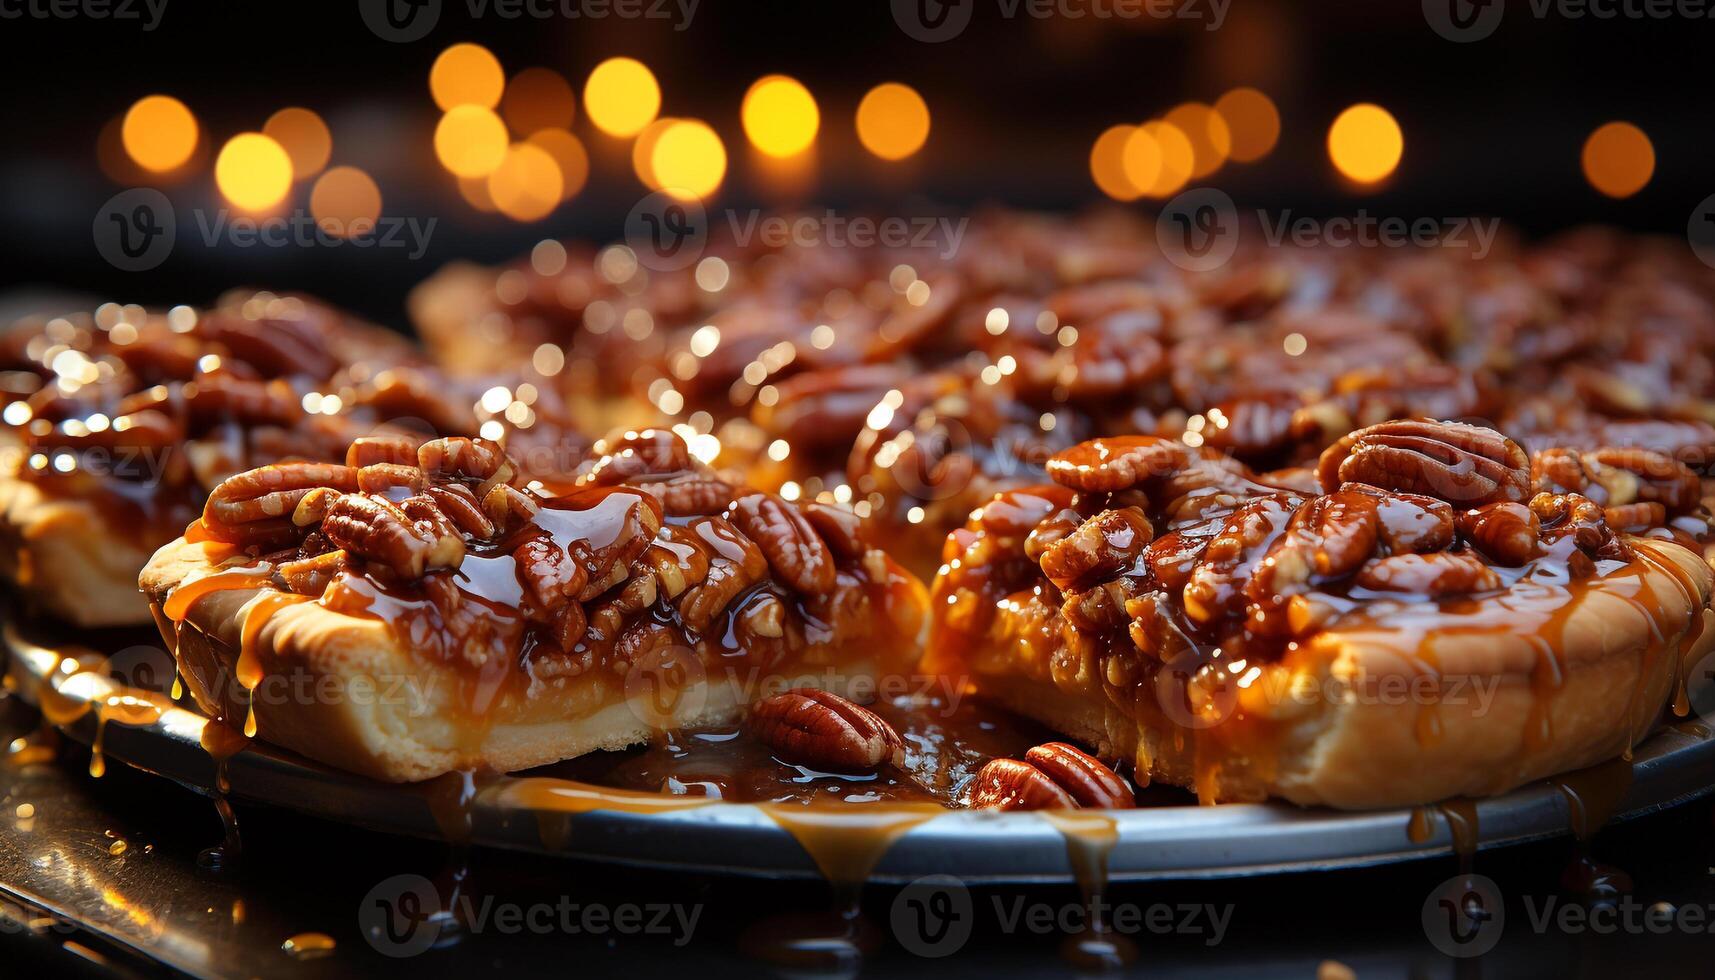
(1053, 776)
(1115, 463)
(1642, 475)
(1438, 573)
(794, 550)
(386, 448)
(649, 452)
(459, 456)
(386, 477)
(377, 530)
(1461, 464)
(1506, 531)
(821, 730)
(1102, 547)
(689, 496)
(459, 503)
(310, 576)
(735, 563)
(270, 493)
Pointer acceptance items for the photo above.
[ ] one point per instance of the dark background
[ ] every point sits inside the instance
(1491, 128)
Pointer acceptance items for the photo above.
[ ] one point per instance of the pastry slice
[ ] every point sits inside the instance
(420, 609)
(1437, 617)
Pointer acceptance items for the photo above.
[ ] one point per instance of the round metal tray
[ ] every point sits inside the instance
(1676, 764)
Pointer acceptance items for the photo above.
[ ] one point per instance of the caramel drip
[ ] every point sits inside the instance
(308, 946)
(221, 742)
(1090, 841)
(1593, 795)
(451, 801)
(179, 603)
(846, 843)
(249, 668)
(1461, 817)
(1693, 634)
(133, 708)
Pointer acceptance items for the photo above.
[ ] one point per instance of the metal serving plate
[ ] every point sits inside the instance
(1676, 764)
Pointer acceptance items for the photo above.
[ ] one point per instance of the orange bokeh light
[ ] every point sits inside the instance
(1618, 159)
(159, 133)
(1253, 121)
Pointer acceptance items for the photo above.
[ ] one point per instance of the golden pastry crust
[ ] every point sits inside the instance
(1497, 724)
(343, 690)
(65, 557)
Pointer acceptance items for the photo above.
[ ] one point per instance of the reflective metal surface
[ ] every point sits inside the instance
(1154, 842)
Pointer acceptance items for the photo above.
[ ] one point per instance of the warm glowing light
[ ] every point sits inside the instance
(527, 185)
(621, 96)
(1211, 140)
(893, 121)
(304, 137)
(537, 99)
(1618, 159)
(569, 155)
(1107, 164)
(780, 116)
(466, 74)
(345, 202)
(474, 190)
(159, 133)
(643, 151)
(688, 159)
(1365, 143)
(1177, 157)
(253, 172)
(470, 141)
(1139, 159)
(1253, 121)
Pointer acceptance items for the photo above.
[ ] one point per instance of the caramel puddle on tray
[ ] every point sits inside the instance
(1090, 840)
(308, 946)
(1593, 796)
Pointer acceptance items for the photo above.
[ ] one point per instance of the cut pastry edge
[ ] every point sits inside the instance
(63, 556)
(1327, 743)
(344, 691)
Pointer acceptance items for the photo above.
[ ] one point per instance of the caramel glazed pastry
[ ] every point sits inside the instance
(914, 383)
(1440, 614)
(117, 425)
(501, 624)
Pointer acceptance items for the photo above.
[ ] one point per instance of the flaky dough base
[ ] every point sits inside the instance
(65, 559)
(1361, 753)
(342, 690)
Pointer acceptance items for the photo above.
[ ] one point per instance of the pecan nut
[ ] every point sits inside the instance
(1462, 464)
(1116, 463)
(794, 550)
(459, 456)
(1506, 531)
(1438, 573)
(626, 457)
(377, 530)
(383, 448)
(692, 496)
(821, 730)
(1053, 776)
(270, 493)
(1102, 547)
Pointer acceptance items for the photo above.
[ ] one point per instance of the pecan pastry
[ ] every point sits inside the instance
(422, 608)
(1440, 615)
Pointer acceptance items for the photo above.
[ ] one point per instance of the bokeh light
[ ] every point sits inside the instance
(1107, 164)
(780, 116)
(1365, 143)
(621, 96)
(536, 99)
(1177, 157)
(1618, 159)
(475, 192)
(1140, 160)
(345, 202)
(689, 159)
(893, 121)
(304, 137)
(569, 154)
(466, 74)
(159, 133)
(1211, 140)
(470, 141)
(1253, 121)
(527, 184)
(643, 151)
(253, 172)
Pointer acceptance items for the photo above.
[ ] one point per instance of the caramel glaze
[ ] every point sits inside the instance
(1207, 679)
